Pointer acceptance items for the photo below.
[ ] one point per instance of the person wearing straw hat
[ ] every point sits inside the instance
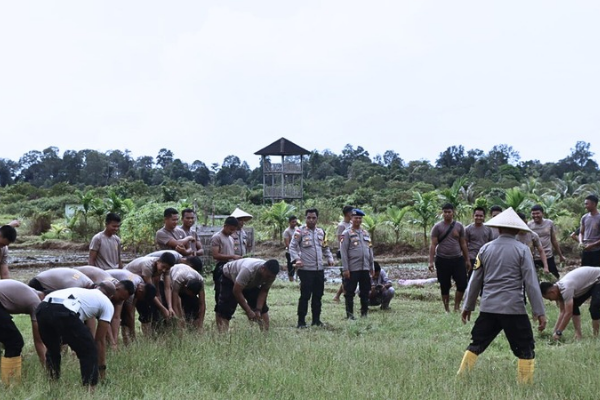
(501, 269)
(240, 237)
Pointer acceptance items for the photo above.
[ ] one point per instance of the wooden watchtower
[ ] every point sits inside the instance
(283, 181)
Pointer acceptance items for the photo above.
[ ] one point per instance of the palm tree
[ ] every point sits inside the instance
(424, 209)
(277, 216)
(455, 195)
(89, 206)
(516, 199)
(395, 216)
(370, 224)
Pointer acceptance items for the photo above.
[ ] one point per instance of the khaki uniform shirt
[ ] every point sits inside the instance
(591, 225)
(181, 274)
(108, 250)
(224, 243)
(240, 242)
(163, 236)
(529, 239)
(578, 282)
(142, 266)
(18, 298)
(96, 274)
(544, 231)
(476, 236)
(310, 245)
(245, 272)
(357, 251)
(501, 268)
(450, 246)
(62, 278)
(195, 245)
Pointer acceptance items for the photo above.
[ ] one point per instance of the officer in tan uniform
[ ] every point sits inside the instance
(357, 263)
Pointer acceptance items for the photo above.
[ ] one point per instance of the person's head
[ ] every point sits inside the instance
(357, 216)
(123, 289)
(230, 225)
(376, 269)
(165, 262)
(508, 231)
(292, 221)
(550, 291)
(112, 223)
(537, 213)
(171, 216)
(479, 215)
(522, 216)
(8, 235)
(195, 262)
(591, 203)
(145, 292)
(495, 210)
(269, 270)
(448, 212)
(311, 216)
(108, 288)
(194, 287)
(347, 212)
(188, 217)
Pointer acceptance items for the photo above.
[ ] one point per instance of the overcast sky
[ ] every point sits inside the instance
(209, 79)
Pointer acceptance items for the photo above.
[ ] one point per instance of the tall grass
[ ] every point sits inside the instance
(410, 352)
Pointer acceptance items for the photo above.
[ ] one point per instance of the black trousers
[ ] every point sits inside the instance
(594, 293)
(312, 286)
(517, 329)
(10, 336)
(217, 273)
(290, 267)
(590, 258)
(362, 279)
(448, 269)
(190, 305)
(551, 266)
(59, 325)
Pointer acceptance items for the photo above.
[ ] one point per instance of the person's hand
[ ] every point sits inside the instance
(346, 274)
(236, 257)
(542, 322)
(468, 265)
(562, 258)
(171, 312)
(465, 316)
(251, 315)
(299, 264)
(165, 312)
(431, 267)
(15, 223)
(546, 270)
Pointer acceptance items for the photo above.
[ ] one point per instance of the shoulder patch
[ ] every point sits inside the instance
(477, 263)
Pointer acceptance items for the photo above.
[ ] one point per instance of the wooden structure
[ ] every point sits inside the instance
(283, 181)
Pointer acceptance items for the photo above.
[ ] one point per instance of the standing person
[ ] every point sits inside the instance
(172, 237)
(589, 233)
(547, 232)
(476, 235)
(449, 250)
(188, 225)
(105, 247)
(532, 241)
(570, 293)
(223, 250)
(501, 269)
(495, 210)
(240, 237)
(357, 263)
(187, 291)
(382, 291)
(8, 235)
(60, 278)
(61, 318)
(307, 249)
(17, 298)
(287, 238)
(246, 282)
(339, 231)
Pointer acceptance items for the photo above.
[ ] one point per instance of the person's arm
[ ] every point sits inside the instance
(168, 294)
(4, 274)
(295, 249)
(564, 318)
(40, 349)
(261, 300)
(156, 300)
(581, 230)
(115, 323)
(555, 244)
(120, 260)
(465, 251)
(344, 249)
(176, 302)
(239, 296)
(100, 338)
(434, 243)
(216, 253)
(199, 323)
(92, 257)
(327, 251)
(543, 257)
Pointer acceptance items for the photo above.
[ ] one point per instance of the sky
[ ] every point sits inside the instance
(208, 79)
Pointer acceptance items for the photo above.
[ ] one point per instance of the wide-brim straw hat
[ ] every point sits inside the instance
(240, 214)
(508, 219)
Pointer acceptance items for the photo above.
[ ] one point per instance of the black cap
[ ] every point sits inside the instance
(358, 212)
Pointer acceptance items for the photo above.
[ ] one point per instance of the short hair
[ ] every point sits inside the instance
(149, 292)
(272, 266)
(187, 210)
(537, 207)
(167, 258)
(195, 285)
(128, 285)
(291, 218)
(312, 210)
(545, 286)
(376, 266)
(108, 288)
(9, 233)
(170, 212)
(478, 208)
(112, 217)
(522, 216)
(495, 208)
(231, 221)
(347, 209)
(448, 206)
(195, 262)
(592, 198)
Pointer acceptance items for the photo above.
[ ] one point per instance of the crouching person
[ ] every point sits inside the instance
(187, 291)
(246, 282)
(61, 318)
(382, 291)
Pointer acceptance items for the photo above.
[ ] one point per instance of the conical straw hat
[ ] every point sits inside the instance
(240, 214)
(508, 219)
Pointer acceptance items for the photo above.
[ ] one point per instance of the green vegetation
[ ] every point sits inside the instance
(410, 352)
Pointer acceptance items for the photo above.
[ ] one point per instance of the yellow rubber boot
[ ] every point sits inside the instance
(468, 362)
(525, 371)
(11, 370)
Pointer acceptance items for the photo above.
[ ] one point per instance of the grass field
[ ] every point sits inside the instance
(410, 352)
